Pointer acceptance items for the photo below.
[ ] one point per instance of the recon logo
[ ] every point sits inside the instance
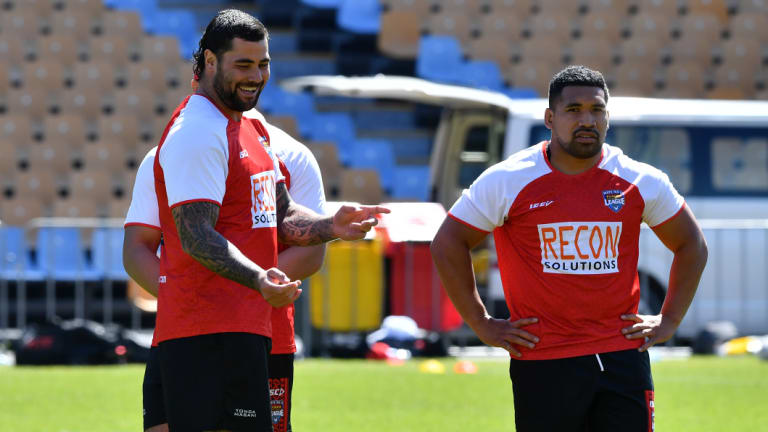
(263, 208)
(580, 247)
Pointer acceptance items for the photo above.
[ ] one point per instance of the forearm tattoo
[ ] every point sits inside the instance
(297, 225)
(195, 224)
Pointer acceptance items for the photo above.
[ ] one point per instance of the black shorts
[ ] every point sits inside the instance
(152, 391)
(280, 389)
(216, 381)
(599, 392)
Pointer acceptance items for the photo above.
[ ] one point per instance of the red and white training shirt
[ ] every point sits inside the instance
(204, 156)
(567, 245)
(303, 180)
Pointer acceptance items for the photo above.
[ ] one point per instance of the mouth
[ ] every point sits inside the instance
(248, 91)
(585, 137)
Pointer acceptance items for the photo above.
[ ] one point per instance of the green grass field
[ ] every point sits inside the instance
(700, 394)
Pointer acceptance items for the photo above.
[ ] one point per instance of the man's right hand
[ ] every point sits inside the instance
(277, 289)
(506, 334)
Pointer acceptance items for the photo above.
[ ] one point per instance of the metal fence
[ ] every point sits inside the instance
(734, 286)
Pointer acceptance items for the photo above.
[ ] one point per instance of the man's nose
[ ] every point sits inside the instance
(256, 75)
(587, 119)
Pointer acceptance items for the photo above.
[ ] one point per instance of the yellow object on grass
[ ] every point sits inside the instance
(432, 366)
(348, 292)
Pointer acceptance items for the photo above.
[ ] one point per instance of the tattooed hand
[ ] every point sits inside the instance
(277, 289)
(351, 222)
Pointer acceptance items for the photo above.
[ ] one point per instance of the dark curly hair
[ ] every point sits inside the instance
(575, 76)
(225, 26)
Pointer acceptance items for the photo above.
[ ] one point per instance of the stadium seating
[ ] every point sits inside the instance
(399, 35)
(15, 258)
(61, 255)
(336, 127)
(439, 59)
(602, 24)
(360, 185)
(495, 48)
(412, 183)
(481, 74)
(360, 16)
(107, 246)
(375, 154)
(330, 166)
(716, 8)
(451, 23)
(323, 3)
(417, 8)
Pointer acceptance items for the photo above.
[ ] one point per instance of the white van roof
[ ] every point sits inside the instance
(676, 111)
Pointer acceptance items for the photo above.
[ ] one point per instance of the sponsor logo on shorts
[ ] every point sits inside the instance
(651, 410)
(263, 208)
(580, 247)
(243, 154)
(161, 279)
(614, 199)
(278, 410)
(239, 412)
(279, 403)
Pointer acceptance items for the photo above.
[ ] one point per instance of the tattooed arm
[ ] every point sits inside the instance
(195, 224)
(298, 225)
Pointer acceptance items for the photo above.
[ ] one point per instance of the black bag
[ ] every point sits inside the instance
(77, 342)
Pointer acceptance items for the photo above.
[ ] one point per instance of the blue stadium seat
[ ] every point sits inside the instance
(292, 66)
(336, 127)
(143, 6)
(61, 256)
(15, 260)
(360, 16)
(323, 3)
(376, 154)
(411, 182)
(482, 74)
(274, 100)
(521, 93)
(107, 247)
(174, 22)
(412, 147)
(440, 58)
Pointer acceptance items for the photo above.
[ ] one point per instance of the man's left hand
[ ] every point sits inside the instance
(655, 328)
(351, 222)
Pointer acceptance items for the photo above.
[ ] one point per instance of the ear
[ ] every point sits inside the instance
(210, 59)
(548, 118)
(607, 120)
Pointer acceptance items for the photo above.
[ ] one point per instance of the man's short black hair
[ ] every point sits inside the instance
(575, 76)
(225, 26)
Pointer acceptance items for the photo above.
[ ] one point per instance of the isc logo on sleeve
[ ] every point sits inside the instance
(263, 205)
(580, 247)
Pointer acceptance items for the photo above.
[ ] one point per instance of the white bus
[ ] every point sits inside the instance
(715, 152)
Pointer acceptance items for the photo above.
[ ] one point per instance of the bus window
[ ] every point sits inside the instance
(739, 164)
(481, 149)
(668, 149)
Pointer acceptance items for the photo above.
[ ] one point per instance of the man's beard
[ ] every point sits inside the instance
(230, 98)
(583, 150)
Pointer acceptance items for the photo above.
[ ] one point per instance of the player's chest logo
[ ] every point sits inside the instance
(263, 203)
(614, 199)
(541, 204)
